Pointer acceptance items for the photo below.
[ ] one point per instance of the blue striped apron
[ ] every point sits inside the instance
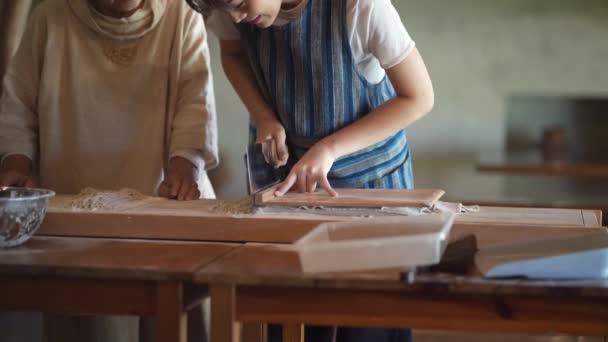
(306, 73)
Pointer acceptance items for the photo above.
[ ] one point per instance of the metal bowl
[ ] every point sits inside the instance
(21, 213)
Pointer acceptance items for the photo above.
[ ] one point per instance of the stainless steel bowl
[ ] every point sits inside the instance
(21, 213)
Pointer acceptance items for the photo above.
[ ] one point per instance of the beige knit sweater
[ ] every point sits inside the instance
(94, 104)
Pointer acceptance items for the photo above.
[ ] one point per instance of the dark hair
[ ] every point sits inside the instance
(206, 6)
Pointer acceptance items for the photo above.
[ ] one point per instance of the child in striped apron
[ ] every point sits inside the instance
(331, 86)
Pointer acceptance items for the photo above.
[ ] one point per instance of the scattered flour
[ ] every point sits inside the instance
(242, 206)
(439, 207)
(93, 199)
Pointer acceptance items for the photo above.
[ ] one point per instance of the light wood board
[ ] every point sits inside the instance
(353, 198)
(201, 221)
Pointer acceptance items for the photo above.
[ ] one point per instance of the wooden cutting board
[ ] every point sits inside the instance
(353, 198)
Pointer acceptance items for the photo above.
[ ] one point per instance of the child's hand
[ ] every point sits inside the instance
(15, 171)
(180, 181)
(271, 135)
(308, 171)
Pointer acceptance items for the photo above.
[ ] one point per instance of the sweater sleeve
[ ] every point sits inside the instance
(18, 109)
(194, 126)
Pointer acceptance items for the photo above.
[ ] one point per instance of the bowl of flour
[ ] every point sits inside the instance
(21, 213)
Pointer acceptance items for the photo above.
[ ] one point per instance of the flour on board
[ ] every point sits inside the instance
(93, 199)
(242, 206)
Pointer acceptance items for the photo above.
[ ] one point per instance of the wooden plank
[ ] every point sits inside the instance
(599, 209)
(527, 216)
(250, 228)
(78, 296)
(171, 321)
(353, 198)
(223, 304)
(107, 258)
(488, 235)
(271, 228)
(394, 309)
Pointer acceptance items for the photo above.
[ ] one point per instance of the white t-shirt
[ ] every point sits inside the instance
(377, 36)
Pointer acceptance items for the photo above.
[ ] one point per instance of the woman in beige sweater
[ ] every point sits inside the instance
(110, 94)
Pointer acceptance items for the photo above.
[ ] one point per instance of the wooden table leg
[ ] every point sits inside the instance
(254, 332)
(223, 304)
(293, 332)
(171, 320)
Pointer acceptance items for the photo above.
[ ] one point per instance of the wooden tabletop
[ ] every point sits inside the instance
(279, 265)
(107, 258)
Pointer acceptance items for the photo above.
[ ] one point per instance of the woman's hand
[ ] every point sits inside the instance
(14, 178)
(180, 181)
(271, 134)
(16, 171)
(309, 171)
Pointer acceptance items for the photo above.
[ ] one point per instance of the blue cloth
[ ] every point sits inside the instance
(307, 74)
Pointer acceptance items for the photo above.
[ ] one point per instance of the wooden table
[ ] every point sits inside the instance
(263, 283)
(56, 273)
(106, 277)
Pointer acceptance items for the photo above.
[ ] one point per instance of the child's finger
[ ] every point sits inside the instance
(281, 148)
(273, 153)
(276, 161)
(281, 153)
(286, 185)
(260, 139)
(301, 182)
(325, 185)
(266, 152)
(311, 184)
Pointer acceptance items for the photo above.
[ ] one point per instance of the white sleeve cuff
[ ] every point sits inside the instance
(192, 155)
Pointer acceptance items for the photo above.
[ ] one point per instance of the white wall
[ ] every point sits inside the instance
(478, 52)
